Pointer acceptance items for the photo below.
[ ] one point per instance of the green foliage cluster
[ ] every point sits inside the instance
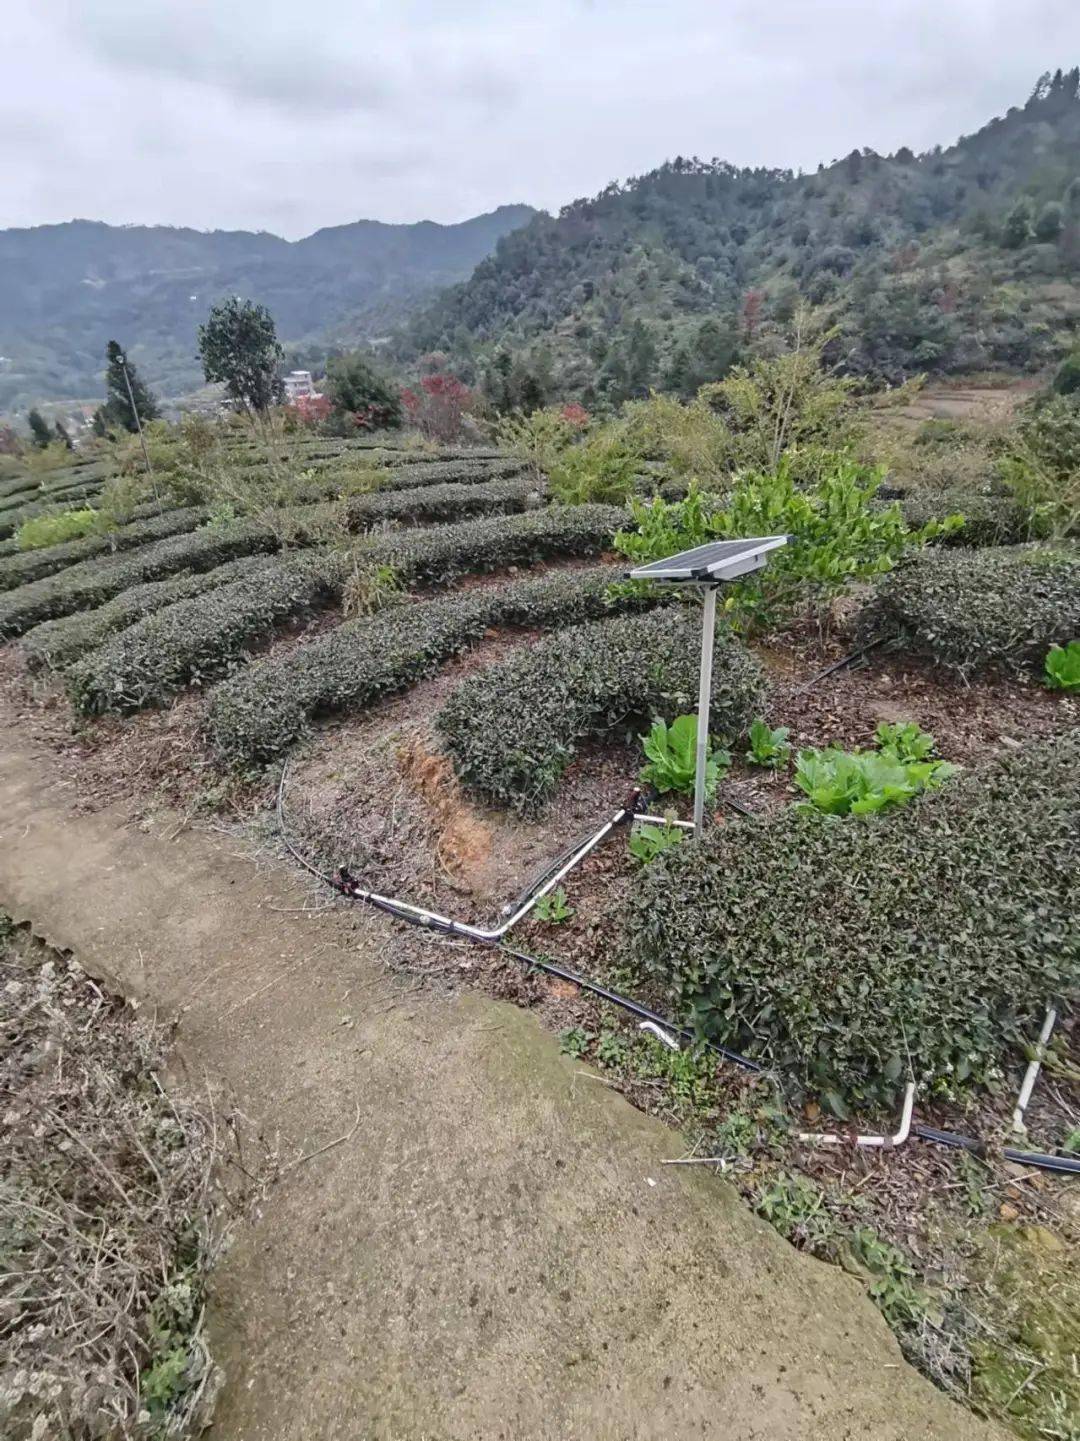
(939, 930)
(973, 610)
(1062, 667)
(360, 395)
(194, 640)
(647, 841)
(56, 644)
(989, 519)
(537, 439)
(857, 783)
(257, 715)
(93, 582)
(838, 535)
(238, 345)
(45, 530)
(671, 752)
(1041, 466)
(439, 554)
(769, 745)
(45, 501)
(600, 468)
(512, 730)
(31, 565)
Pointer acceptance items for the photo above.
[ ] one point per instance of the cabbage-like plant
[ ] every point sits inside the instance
(842, 783)
(1063, 667)
(672, 757)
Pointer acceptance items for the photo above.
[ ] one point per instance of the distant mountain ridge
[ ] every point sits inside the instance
(66, 289)
(961, 259)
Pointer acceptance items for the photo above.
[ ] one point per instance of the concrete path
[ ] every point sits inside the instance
(496, 1253)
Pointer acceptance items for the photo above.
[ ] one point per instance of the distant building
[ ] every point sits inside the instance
(299, 386)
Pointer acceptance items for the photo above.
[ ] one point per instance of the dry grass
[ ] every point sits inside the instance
(110, 1216)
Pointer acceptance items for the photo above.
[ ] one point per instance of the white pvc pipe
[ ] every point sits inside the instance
(708, 634)
(1032, 1071)
(830, 1138)
(661, 1035)
(664, 821)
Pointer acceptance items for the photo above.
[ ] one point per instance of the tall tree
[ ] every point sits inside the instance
(1016, 228)
(239, 346)
(40, 433)
(119, 374)
(62, 436)
(361, 397)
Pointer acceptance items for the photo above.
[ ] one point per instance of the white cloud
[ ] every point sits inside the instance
(275, 116)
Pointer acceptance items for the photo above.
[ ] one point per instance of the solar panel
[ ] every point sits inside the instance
(717, 561)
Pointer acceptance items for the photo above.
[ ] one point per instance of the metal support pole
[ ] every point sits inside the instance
(708, 632)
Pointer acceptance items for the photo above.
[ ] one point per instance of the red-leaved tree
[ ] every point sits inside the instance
(310, 409)
(438, 407)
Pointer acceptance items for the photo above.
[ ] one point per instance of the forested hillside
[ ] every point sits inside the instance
(958, 260)
(67, 289)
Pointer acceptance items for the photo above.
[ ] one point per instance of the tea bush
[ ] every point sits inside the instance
(832, 946)
(55, 644)
(443, 502)
(45, 530)
(31, 565)
(513, 729)
(256, 716)
(972, 610)
(440, 554)
(988, 519)
(93, 582)
(193, 640)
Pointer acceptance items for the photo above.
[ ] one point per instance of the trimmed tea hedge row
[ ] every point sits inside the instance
(255, 717)
(513, 729)
(55, 644)
(29, 565)
(831, 947)
(444, 502)
(453, 472)
(971, 610)
(440, 554)
(12, 516)
(193, 640)
(988, 519)
(93, 582)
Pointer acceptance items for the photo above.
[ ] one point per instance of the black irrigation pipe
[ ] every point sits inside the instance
(843, 662)
(1062, 1165)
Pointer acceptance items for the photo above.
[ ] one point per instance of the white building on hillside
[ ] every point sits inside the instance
(298, 384)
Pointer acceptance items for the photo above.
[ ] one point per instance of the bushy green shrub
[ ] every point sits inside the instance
(439, 554)
(13, 515)
(1062, 667)
(512, 729)
(256, 716)
(839, 534)
(988, 519)
(193, 640)
(45, 530)
(601, 467)
(31, 565)
(973, 610)
(56, 644)
(1041, 465)
(443, 502)
(833, 947)
(93, 582)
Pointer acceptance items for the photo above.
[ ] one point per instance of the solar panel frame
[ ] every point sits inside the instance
(712, 563)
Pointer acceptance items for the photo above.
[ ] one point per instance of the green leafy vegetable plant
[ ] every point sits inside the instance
(768, 747)
(553, 908)
(905, 740)
(672, 757)
(842, 783)
(648, 841)
(1063, 667)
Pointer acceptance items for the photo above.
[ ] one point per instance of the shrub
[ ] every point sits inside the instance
(32, 565)
(258, 715)
(58, 643)
(437, 555)
(193, 640)
(541, 438)
(988, 519)
(443, 502)
(93, 582)
(838, 535)
(972, 610)
(600, 468)
(361, 396)
(46, 530)
(1041, 465)
(513, 729)
(832, 947)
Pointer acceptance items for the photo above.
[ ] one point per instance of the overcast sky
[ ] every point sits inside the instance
(283, 116)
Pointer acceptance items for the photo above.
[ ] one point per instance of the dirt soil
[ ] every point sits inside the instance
(469, 1238)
